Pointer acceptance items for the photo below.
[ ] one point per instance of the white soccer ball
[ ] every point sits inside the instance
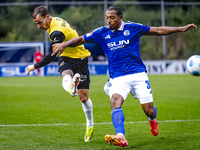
(193, 65)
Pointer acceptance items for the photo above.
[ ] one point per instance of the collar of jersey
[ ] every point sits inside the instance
(121, 28)
(48, 30)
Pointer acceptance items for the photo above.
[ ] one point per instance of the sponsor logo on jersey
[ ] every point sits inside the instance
(88, 34)
(108, 37)
(117, 45)
(109, 84)
(55, 40)
(83, 78)
(126, 32)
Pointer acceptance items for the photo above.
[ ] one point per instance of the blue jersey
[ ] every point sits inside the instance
(121, 47)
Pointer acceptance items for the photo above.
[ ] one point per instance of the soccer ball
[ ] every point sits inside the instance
(193, 65)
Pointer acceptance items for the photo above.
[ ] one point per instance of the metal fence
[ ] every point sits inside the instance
(105, 4)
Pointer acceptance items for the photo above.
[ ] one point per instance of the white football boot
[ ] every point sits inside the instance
(74, 84)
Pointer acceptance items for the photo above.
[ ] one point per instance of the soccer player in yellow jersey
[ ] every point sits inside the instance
(73, 63)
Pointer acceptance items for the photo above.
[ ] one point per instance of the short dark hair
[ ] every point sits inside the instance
(117, 9)
(41, 10)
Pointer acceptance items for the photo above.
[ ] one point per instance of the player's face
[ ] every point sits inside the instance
(42, 22)
(113, 20)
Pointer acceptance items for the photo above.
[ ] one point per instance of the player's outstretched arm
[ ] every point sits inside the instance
(59, 47)
(185, 28)
(29, 69)
(165, 30)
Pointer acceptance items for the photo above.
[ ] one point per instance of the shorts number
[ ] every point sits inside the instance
(148, 84)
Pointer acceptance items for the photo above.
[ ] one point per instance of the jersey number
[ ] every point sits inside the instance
(63, 23)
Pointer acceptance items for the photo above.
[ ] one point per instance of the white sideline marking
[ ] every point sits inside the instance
(65, 124)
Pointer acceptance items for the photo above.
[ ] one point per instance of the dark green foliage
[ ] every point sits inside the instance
(83, 19)
(17, 25)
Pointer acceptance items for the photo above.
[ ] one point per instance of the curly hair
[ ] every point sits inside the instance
(117, 9)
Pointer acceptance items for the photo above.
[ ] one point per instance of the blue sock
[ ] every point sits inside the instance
(118, 120)
(155, 114)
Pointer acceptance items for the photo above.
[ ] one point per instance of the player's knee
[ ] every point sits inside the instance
(83, 96)
(116, 101)
(83, 99)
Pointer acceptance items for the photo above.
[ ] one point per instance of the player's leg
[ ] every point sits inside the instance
(83, 93)
(67, 78)
(74, 85)
(118, 122)
(70, 81)
(70, 84)
(142, 90)
(38, 71)
(117, 113)
(78, 84)
(88, 110)
(151, 113)
(149, 110)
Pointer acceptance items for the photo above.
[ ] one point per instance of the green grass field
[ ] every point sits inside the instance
(36, 113)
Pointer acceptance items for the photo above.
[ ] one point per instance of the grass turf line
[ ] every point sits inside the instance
(42, 100)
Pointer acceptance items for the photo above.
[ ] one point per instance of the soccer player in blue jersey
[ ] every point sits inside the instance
(128, 74)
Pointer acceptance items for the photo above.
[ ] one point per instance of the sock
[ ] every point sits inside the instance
(118, 120)
(151, 119)
(88, 110)
(67, 79)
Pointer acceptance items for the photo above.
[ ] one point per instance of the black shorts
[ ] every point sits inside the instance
(77, 66)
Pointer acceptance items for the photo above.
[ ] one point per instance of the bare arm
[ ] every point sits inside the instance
(59, 47)
(164, 30)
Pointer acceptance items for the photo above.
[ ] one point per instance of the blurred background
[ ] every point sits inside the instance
(16, 26)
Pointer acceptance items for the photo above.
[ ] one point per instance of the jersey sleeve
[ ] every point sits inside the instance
(92, 37)
(141, 29)
(47, 59)
(146, 29)
(56, 37)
